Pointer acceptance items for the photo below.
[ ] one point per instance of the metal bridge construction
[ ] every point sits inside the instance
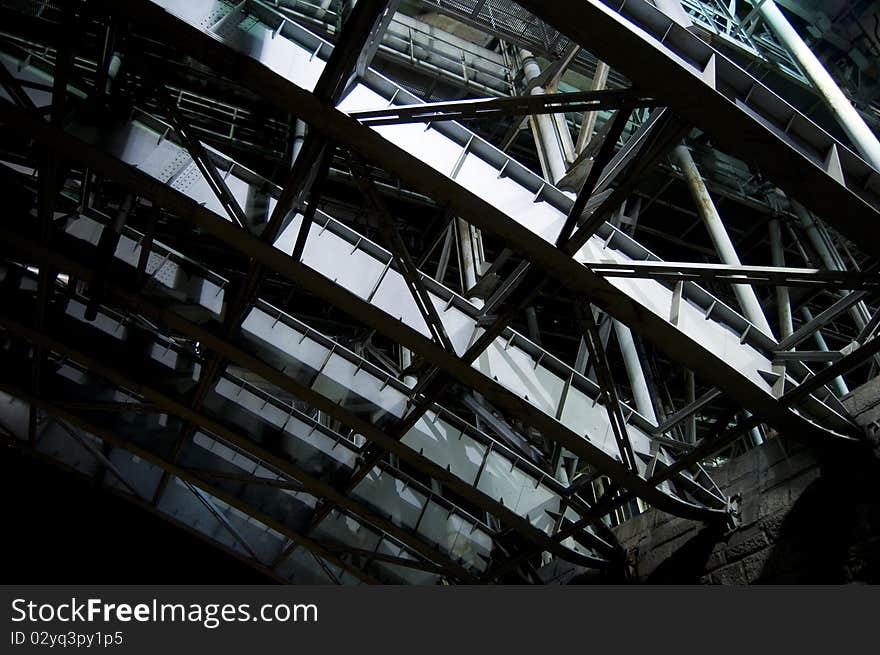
(429, 292)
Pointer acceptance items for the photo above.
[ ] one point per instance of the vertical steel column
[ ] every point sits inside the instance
(405, 361)
(859, 133)
(549, 146)
(783, 303)
(588, 124)
(830, 258)
(296, 142)
(553, 161)
(839, 383)
(746, 296)
(634, 371)
(690, 395)
(468, 253)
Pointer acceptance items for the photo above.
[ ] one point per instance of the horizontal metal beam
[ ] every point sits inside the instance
(765, 275)
(482, 108)
(807, 356)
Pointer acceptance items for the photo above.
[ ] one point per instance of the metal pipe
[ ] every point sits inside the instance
(830, 258)
(852, 123)
(783, 303)
(588, 124)
(690, 396)
(634, 371)
(299, 135)
(746, 296)
(406, 360)
(532, 322)
(468, 255)
(546, 137)
(754, 433)
(839, 383)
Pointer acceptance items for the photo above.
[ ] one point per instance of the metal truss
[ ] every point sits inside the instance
(556, 103)
(141, 327)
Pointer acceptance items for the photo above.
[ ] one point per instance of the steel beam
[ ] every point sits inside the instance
(109, 437)
(313, 485)
(727, 103)
(287, 383)
(485, 108)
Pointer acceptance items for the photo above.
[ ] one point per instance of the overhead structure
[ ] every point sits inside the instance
(279, 275)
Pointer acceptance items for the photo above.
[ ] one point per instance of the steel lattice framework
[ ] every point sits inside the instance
(231, 290)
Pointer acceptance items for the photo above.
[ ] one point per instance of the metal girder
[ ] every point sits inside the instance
(824, 318)
(422, 177)
(730, 105)
(361, 30)
(590, 330)
(768, 275)
(289, 483)
(502, 429)
(217, 514)
(808, 356)
(361, 310)
(398, 248)
(112, 407)
(483, 108)
(687, 411)
(201, 158)
(551, 76)
(372, 555)
(15, 90)
(110, 437)
(870, 328)
(313, 485)
(359, 38)
(843, 365)
(604, 171)
(643, 150)
(603, 158)
(284, 381)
